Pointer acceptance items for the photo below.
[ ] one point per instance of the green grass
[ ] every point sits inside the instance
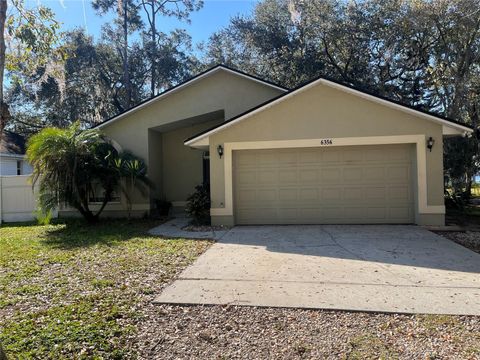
(72, 290)
(369, 346)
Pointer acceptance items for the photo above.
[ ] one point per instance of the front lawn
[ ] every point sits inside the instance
(72, 290)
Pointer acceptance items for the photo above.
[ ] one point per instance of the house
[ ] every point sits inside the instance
(320, 153)
(12, 155)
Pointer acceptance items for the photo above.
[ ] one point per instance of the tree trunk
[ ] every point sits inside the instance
(126, 72)
(153, 60)
(4, 113)
(2, 354)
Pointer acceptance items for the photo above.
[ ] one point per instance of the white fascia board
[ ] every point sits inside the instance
(180, 87)
(456, 129)
(13, 156)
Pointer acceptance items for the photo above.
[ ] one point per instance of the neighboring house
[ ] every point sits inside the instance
(321, 153)
(17, 197)
(12, 155)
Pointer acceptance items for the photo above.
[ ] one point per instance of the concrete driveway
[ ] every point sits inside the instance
(365, 268)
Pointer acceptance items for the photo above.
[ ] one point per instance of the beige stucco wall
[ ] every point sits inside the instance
(182, 165)
(325, 112)
(164, 155)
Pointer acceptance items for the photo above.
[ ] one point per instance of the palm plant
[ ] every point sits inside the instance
(133, 171)
(68, 163)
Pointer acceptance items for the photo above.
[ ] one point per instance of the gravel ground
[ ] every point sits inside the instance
(469, 239)
(233, 332)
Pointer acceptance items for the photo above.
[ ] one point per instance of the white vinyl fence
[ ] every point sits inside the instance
(17, 199)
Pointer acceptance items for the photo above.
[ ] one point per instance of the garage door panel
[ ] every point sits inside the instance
(308, 194)
(374, 174)
(360, 184)
(352, 174)
(372, 155)
(246, 178)
(288, 194)
(266, 195)
(351, 194)
(307, 176)
(400, 193)
(400, 212)
(331, 175)
(330, 156)
(376, 213)
(398, 154)
(329, 193)
(287, 176)
(309, 157)
(352, 156)
(398, 173)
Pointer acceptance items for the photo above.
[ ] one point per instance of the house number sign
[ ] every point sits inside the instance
(325, 142)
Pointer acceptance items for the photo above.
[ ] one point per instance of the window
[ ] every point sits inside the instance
(97, 195)
(19, 167)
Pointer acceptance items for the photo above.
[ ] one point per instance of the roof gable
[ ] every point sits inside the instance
(187, 83)
(12, 143)
(450, 126)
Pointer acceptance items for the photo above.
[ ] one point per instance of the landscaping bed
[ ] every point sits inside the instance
(469, 239)
(76, 291)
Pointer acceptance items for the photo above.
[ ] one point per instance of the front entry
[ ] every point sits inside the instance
(328, 185)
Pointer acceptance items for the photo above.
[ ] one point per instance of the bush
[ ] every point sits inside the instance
(198, 205)
(43, 217)
(163, 206)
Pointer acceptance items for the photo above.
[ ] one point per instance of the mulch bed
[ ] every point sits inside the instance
(469, 239)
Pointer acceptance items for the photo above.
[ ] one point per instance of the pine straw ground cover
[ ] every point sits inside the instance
(76, 291)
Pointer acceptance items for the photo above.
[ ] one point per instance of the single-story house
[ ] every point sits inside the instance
(322, 153)
(12, 155)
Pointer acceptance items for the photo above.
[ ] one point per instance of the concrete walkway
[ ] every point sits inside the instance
(175, 229)
(404, 269)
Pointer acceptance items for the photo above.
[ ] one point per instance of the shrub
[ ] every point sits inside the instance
(163, 206)
(43, 217)
(198, 205)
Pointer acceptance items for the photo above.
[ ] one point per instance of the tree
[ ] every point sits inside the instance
(159, 50)
(70, 163)
(88, 94)
(128, 21)
(34, 41)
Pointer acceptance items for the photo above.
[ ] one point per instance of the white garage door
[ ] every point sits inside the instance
(327, 185)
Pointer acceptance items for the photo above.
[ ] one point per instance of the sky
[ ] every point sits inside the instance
(214, 15)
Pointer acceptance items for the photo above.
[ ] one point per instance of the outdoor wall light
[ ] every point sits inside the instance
(220, 150)
(430, 143)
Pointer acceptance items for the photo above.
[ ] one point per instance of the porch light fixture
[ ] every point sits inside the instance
(220, 150)
(430, 143)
